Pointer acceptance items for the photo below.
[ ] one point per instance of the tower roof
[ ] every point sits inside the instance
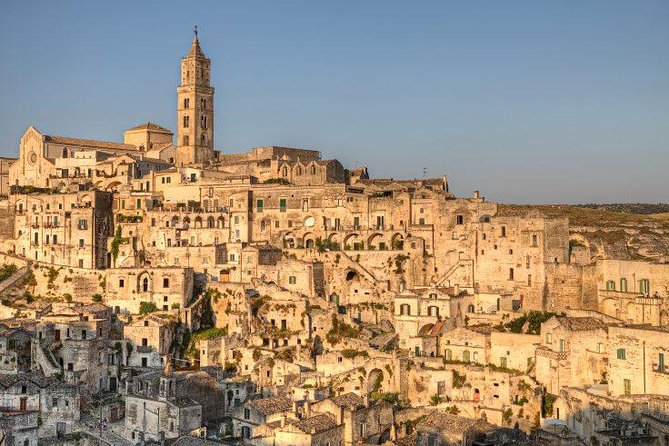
(195, 50)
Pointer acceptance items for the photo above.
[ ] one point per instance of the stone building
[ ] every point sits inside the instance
(253, 413)
(151, 337)
(636, 360)
(14, 350)
(155, 410)
(68, 229)
(573, 352)
(56, 404)
(316, 430)
(363, 420)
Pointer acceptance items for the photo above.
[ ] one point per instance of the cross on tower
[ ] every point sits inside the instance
(196, 31)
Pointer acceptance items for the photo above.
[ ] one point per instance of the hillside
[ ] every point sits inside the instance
(617, 231)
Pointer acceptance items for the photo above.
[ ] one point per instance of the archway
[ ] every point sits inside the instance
(144, 283)
(224, 275)
(375, 241)
(397, 241)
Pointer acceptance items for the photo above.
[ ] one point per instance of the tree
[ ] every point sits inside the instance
(97, 297)
(147, 307)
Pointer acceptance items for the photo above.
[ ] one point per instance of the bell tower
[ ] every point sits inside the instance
(195, 109)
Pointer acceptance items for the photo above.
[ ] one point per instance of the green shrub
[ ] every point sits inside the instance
(147, 307)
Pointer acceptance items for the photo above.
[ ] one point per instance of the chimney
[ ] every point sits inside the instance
(366, 398)
(476, 195)
(307, 409)
(456, 290)
(283, 420)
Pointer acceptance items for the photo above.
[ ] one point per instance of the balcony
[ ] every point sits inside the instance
(661, 368)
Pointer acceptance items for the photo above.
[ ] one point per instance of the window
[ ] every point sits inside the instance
(186, 102)
(503, 231)
(292, 280)
(121, 283)
(562, 345)
(502, 362)
(620, 353)
(166, 282)
(460, 220)
(259, 206)
(610, 285)
(247, 413)
(186, 121)
(534, 239)
(405, 310)
(549, 338)
(282, 205)
(627, 387)
(510, 273)
(82, 224)
(623, 285)
(185, 143)
(644, 286)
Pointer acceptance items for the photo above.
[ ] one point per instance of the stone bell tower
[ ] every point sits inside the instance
(195, 109)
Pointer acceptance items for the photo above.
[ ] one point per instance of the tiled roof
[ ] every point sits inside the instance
(316, 424)
(194, 441)
(268, 406)
(350, 400)
(581, 323)
(88, 143)
(452, 424)
(150, 126)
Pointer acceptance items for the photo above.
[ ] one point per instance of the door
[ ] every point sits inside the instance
(56, 335)
(60, 429)
(112, 384)
(23, 404)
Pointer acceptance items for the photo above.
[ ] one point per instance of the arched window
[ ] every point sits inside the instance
(64, 152)
(185, 139)
(433, 311)
(470, 308)
(448, 354)
(475, 356)
(145, 284)
(466, 356)
(299, 170)
(285, 171)
(313, 170)
(405, 310)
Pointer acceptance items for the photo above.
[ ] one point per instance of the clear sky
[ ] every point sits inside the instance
(528, 101)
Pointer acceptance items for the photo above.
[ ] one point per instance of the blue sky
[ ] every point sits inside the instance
(528, 101)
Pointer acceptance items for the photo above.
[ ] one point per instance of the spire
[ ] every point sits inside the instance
(195, 50)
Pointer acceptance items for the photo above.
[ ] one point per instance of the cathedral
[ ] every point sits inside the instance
(66, 163)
